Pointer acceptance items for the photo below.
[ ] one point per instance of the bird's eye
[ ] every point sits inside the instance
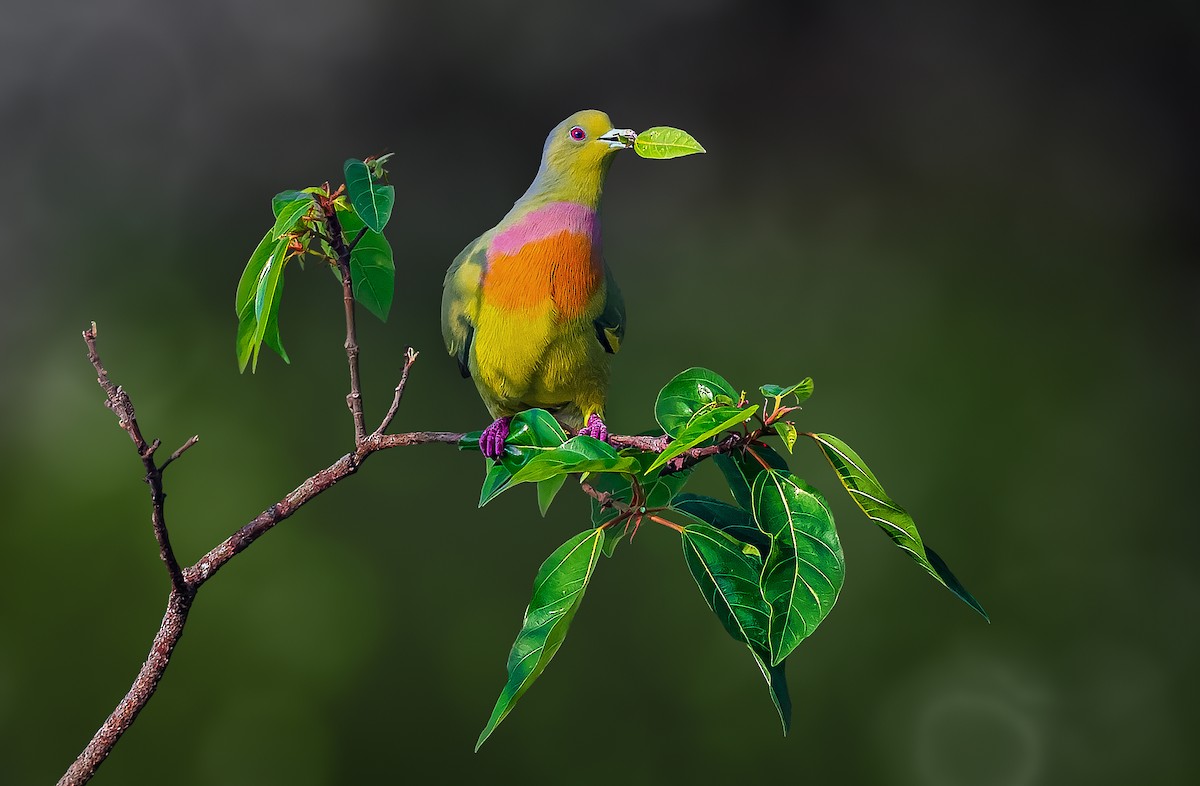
(578, 134)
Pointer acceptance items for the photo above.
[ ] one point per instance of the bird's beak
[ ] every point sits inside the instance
(619, 138)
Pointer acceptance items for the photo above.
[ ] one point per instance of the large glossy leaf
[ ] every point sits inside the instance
(728, 580)
(703, 426)
(730, 519)
(557, 593)
(665, 142)
(530, 433)
(372, 202)
(372, 269)
(894, 520)
(578, 454)
(689, 392)
(740, 468)
(804, 571)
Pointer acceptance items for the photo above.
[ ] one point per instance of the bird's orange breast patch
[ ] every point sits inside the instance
(560, 267)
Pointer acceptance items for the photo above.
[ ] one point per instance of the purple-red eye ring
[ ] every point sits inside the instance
(578, 134)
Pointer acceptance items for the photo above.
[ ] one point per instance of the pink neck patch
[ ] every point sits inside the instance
(548, 220)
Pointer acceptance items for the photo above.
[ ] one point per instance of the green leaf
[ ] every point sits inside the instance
(547, 490)
(578, 454)
(291, 214)
(870, 497)
(530, 432)
(372, 270)
(691, 390)
(804, 571)
(266, 304)
(705, 425)
(728, 580)
(557, 593)
(271, 335)
(740, 469)
(495, 481)
(247, 328)
(776, 679)
(660, 490)
(787, 432)
(372, 202)
(730, 519)
(283, 198)
(244, 300)
(801, 390)
(665, 142)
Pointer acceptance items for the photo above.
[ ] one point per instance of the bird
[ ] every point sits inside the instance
(530, 309)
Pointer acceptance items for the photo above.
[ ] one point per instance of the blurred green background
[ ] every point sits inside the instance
(974, 227)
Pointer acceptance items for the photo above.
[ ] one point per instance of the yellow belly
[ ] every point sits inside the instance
(523, 358)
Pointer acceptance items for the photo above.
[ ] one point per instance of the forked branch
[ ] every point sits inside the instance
(186, 582)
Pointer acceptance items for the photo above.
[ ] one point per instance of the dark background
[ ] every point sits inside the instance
(974, 227)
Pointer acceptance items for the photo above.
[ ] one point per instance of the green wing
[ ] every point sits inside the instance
(460, 300)
(610, 325)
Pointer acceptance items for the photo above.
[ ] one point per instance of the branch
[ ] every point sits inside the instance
(410, 357)
(118, 401)
(333, 227)
(186, 582)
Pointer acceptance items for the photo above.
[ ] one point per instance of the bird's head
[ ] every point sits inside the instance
(578, 152)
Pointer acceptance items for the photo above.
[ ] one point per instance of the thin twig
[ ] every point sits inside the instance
(182, 449)
(410, 357)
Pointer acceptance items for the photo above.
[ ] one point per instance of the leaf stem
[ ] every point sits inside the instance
(357, 238)
(664, 522)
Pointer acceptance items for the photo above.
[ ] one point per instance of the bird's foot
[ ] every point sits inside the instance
(491, 441)
(595, 428)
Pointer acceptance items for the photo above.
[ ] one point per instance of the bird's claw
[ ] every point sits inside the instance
(595, 428)
(491, 441)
